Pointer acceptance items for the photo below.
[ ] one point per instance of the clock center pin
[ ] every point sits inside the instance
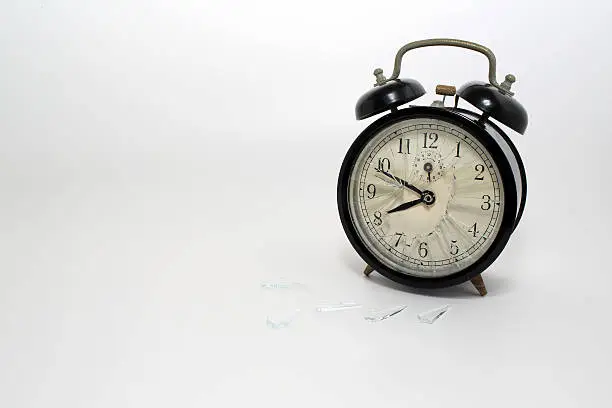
(429, 197)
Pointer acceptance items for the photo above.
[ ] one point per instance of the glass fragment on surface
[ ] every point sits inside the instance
(281, 322)
(432, 315)
(383, 314)
(280, 284)
(334, 307)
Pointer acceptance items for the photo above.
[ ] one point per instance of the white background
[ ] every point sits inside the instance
(159, 159)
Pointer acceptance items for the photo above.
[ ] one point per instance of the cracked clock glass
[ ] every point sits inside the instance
(426, 197)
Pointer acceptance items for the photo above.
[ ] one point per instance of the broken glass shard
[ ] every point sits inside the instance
(281, 322)
(280, 284)
(383, 314)
(334, 307)
(434, 314)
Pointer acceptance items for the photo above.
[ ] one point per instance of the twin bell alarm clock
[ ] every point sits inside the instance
(429, 195)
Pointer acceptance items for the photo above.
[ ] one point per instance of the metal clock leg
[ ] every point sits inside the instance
(479, 285)
(368, 270)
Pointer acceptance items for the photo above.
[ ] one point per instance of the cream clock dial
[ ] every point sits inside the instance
(426, 197)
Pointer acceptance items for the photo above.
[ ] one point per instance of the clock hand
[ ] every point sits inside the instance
(427, 197)
(428, 167)
(387, 181)
(405, 206)
(401, 181)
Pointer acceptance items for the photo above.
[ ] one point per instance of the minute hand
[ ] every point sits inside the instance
(403, 182)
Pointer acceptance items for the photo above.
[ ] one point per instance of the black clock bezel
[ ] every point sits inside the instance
(507, 180)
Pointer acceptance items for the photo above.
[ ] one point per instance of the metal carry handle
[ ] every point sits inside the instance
(504, 87)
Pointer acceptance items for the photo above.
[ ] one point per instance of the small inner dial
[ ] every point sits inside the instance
(425, 197)
(429, 166)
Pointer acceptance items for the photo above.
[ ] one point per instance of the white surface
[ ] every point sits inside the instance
(159, 159)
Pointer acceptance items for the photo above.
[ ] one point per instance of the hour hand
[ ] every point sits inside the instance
(401, 181)
(427, 197)
(405, 206)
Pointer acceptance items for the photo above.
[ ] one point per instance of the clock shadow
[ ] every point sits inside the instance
(496, 284)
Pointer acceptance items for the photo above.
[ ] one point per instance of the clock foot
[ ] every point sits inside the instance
(479, 285)
(368, 270)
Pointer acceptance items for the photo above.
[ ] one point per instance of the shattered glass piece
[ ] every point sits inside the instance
(434, 314)
(334, 307)
(383, 314)
(281, 322)
(280, 284)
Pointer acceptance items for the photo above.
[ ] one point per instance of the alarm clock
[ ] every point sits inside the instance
(429, 195)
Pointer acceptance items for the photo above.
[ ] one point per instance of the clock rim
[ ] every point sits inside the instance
(507, 180)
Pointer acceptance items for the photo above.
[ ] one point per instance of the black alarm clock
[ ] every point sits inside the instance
(429, 195)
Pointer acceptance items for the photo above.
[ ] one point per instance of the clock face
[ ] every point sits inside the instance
(425, 197)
